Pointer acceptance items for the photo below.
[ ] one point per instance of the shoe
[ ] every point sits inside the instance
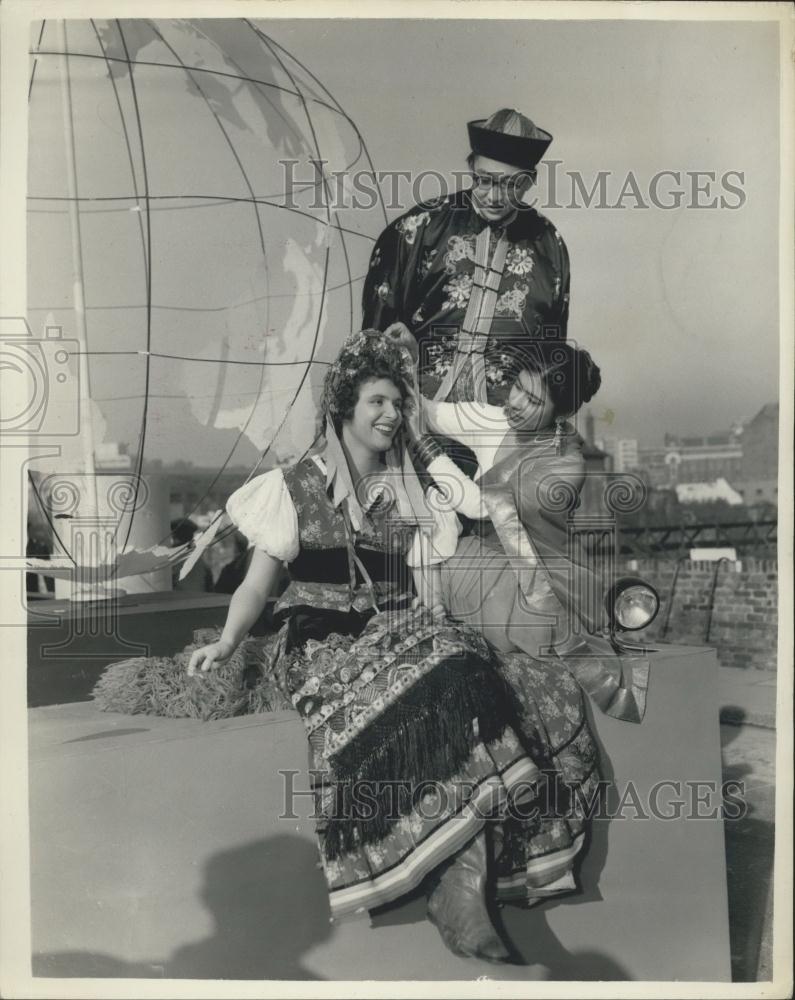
(457, 905)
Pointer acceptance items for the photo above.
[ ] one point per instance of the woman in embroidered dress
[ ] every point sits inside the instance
(516, 578)
(415, 740)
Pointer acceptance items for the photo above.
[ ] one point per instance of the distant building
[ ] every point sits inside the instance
(596, 458)
(111, 456)
(626, 455)
(659, 466)
(703, 492)
(598, 465)
(758, 479)
(707, 459)
(693, 459)
(623, 452)
(608, 446)
(194, 491)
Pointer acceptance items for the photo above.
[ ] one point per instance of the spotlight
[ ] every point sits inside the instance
(632, 604)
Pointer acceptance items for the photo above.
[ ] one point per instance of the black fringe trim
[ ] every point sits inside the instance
(427, 735)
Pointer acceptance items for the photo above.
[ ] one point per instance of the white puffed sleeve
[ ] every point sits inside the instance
(465, 495)
(479, 426)
(264, 511)
(428, 550)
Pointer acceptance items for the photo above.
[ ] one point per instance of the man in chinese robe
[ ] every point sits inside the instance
(476, 270)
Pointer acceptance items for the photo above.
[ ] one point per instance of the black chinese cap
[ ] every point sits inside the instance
(509, 137)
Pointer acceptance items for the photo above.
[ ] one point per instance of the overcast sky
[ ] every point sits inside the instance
(679, 307)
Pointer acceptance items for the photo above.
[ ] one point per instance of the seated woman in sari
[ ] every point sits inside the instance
(396, 699)
(517, 577)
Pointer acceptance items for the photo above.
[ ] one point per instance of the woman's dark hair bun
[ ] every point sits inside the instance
(571, 375)
(590, 376)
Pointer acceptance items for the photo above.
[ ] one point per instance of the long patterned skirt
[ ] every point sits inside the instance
(418, 737)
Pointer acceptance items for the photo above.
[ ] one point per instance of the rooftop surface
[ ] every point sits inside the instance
(157, 852)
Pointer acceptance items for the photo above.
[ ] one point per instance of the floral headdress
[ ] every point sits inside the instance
(395, 349)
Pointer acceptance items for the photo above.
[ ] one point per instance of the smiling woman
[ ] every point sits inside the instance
(375, 417)
(529, 405)
(415, 739)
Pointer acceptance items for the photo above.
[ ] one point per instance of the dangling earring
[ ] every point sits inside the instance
(559, 422)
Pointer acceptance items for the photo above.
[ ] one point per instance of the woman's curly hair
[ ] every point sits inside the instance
(569, 373)
(365, 356)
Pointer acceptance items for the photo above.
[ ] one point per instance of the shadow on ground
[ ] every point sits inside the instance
(263, 928)
(527, 933)
(748, 754)
(543, 944)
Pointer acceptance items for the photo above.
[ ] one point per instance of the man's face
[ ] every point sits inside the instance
(498, 188)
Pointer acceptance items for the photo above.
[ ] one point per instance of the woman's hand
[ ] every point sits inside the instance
(404, 338)
(245, 607)
(412, 411)
(411, 416)
(210, 656)
(437, 611)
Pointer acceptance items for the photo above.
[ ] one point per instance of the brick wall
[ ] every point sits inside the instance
(745, 611)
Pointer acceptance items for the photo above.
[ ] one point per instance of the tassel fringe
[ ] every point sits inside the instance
(426, 736)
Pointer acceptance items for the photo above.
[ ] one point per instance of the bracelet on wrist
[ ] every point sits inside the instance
(426, 449)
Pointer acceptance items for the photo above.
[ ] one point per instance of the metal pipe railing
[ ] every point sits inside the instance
(671, 594)
(714, 587)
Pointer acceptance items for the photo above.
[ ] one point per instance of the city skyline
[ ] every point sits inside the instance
(642, 443)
